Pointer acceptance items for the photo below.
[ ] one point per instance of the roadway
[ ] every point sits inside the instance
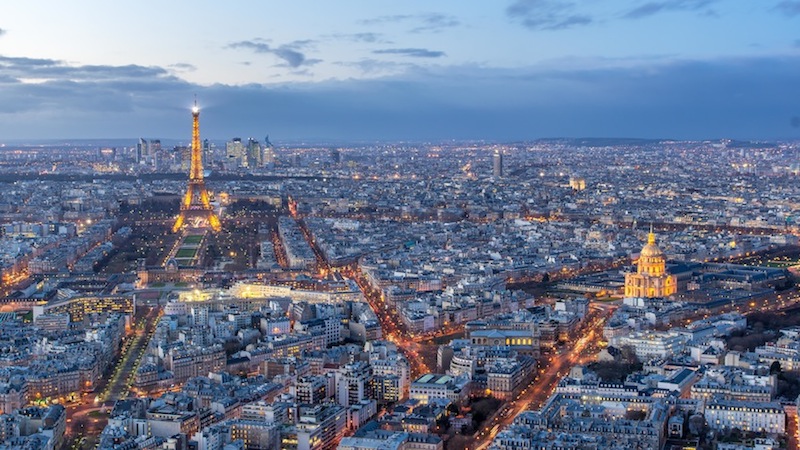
(87, 418)
(551, 369)
(392, 328)
(791, 428)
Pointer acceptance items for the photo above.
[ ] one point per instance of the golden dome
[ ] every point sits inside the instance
(651, 249)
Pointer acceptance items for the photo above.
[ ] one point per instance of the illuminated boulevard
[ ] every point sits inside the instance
(393, 330)
(538, 391)
(551, 370)
(391, 327)
(88, 417)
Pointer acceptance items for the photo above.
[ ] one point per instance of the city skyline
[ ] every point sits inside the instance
(496, 71)
(463, 224)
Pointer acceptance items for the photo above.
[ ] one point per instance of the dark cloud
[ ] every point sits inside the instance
(2, 31)
(49, 69)
(37, 88)
(547, 14)
(736, 98)
(420, 23)
(290, 53)
(789, 8)
(413, 52)
(20, 61)
(655, 7)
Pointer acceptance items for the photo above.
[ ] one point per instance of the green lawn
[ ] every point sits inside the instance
(193, 239)
(184, 252)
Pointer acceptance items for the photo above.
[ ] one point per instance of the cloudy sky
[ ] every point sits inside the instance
(407, 70)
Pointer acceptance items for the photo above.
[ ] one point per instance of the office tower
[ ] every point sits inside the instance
(141, 151)
(253, 156)
(268, 156)
(497, 169)
(208, 152)
(234, 150)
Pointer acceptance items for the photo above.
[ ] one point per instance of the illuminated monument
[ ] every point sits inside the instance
(196, 210)
(651, 278)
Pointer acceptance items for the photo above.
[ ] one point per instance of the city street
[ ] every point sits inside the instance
(88, 418)
(393, 330)
(552, 369)
(391, 327)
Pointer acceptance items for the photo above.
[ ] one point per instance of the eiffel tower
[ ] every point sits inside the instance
(196, 210)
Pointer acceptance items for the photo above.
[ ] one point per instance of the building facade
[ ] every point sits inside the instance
(651, 278)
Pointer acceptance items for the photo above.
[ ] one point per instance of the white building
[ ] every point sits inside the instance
(352, 383)
(746, 416)
(652, 344)
(432, 385)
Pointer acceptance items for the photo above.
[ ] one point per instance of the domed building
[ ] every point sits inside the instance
(651, 278)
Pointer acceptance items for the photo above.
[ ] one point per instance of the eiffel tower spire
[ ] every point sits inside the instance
(196, 209)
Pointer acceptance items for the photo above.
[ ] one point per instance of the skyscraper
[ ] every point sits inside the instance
(253, 157)
(269, 152)
(141, 151)
(497, 169)
(185, 155)
(208, 152)
(234, 150)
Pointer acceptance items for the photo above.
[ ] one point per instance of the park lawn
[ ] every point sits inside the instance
(193, 239)
(186, 253)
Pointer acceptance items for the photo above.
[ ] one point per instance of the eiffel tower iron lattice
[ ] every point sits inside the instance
(196, 210)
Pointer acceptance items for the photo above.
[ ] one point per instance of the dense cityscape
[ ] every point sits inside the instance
(399, 296)
(415, 225)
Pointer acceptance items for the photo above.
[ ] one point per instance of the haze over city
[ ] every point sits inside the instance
(412, 70)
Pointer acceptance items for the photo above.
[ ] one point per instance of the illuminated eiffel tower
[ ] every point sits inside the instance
(196, 210)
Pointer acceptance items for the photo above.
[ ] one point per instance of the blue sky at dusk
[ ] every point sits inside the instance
(410, 70)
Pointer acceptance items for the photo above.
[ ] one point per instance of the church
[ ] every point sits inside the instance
(651, 279)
